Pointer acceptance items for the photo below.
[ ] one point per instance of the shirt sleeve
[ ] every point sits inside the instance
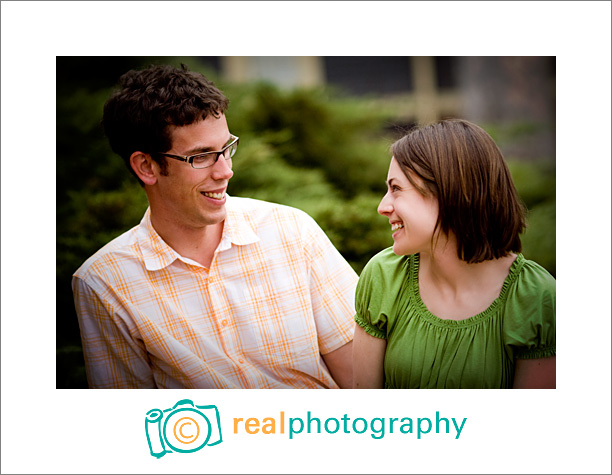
(530, 322)
(332, 289)
(368, 314)
(113, 358)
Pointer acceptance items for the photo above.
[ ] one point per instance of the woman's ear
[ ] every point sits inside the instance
(144, 166)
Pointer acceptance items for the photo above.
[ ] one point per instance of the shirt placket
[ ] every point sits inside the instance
(225, 322)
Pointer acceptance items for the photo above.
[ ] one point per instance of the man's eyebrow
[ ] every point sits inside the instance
(196, 150)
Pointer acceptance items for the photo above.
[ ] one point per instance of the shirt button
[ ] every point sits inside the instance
(224, 323)
(241, 361)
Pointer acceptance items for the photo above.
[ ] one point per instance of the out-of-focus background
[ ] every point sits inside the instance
(314, 134)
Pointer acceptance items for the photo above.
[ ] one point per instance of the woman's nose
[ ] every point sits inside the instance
(385, 207)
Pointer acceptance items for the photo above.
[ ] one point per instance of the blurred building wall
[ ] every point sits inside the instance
(483, 87)
(507, 88)
(421, 89)
(284, 71)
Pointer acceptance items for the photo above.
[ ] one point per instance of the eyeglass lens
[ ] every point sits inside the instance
(208, 159)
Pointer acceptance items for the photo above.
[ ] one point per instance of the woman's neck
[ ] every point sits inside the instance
(454, 289)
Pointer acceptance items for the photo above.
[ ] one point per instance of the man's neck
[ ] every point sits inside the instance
(198, 244)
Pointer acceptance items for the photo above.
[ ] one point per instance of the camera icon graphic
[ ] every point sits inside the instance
(184, 428)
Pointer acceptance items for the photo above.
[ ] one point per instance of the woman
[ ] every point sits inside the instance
(453, 304)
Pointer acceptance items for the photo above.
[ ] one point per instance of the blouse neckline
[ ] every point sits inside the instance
(424, 312)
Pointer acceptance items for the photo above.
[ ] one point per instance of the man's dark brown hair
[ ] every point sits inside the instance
(138, 116)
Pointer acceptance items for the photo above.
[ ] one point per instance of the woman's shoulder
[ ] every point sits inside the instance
(386, 261)
(381, 282)
(530, 310)
(531, 279)
(531, 292)
(386, 272)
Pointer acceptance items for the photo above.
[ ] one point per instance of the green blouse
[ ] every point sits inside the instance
(425, 351)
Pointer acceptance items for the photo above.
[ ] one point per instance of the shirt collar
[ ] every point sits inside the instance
(156, 253)
(238, 230)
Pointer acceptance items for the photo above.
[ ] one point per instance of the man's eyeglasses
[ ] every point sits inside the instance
(207, 159)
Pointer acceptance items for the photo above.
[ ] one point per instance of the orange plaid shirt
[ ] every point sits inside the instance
(277, 296)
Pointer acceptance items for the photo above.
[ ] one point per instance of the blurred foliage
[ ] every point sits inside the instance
(536, 184)
(539, 242)
(534, 181)
(312, 149)
(311, 129)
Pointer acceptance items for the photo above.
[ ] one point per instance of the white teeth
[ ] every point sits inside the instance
(396, 226)
(216, 196)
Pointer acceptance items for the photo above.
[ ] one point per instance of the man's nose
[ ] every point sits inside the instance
(222, 169)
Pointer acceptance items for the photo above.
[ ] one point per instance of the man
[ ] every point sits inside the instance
(208, 291)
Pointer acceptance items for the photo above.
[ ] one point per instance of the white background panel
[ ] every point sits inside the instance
(567, 430)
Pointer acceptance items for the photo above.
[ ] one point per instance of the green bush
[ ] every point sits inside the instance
(535, 182)
(354, 226)
(539, 241)
(313, 130)
(536, 185)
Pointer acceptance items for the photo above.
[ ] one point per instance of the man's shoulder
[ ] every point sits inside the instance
(120, 248)
(239, 203)
(258, 210)
(274, 223)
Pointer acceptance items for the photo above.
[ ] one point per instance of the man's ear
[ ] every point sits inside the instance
(144, 166)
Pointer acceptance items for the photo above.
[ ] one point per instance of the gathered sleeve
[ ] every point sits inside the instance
(370, 313)
(530, 323)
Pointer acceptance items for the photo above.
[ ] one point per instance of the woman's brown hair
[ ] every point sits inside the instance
(463, 168)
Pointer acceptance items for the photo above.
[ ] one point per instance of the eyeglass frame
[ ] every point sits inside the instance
(189, 158)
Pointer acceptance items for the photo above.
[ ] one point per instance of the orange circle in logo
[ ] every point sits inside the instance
(184, 438)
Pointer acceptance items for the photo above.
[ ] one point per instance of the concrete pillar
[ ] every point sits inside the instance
(425, 89)
(284, 71)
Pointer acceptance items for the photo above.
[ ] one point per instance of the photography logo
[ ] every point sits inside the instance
(184, 428)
